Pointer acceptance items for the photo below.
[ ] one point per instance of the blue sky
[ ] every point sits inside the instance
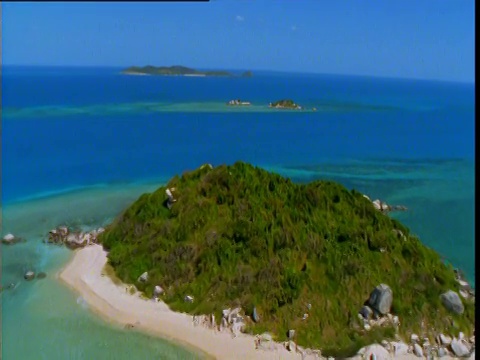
(423, 39)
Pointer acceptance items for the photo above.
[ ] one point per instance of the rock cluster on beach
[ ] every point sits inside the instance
(458, 347)
(73, 239)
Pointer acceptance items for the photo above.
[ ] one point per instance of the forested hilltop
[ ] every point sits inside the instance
(292, 256)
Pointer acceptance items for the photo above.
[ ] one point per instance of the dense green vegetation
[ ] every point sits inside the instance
(239, 235)
(286, 103)
(172, 70)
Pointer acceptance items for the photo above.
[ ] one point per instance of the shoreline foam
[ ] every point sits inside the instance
(83, 274)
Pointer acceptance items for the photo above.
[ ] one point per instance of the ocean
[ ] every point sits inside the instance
(81, 144)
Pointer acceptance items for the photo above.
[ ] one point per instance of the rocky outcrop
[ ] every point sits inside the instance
(452, 302)
(384, 207)
(73, 239)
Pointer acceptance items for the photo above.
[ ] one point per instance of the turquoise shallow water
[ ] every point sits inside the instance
(43, 319)
(79, 145)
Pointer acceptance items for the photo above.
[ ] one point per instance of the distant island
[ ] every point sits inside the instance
(285, 104)
(177, 71)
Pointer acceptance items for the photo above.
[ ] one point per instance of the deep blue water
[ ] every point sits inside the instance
(426, 120)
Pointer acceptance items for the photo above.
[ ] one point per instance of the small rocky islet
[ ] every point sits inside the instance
(284, 258)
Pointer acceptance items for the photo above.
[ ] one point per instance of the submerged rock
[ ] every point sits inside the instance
(41, 275)
(29, 275)
(10, 239)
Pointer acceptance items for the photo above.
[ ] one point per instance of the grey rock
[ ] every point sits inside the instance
(417, 350)
(188, 298)
(441, 352)
(400, 348)
(381, 299)
(414, 338)
(143, 277)
(459, 348)
(266, 337)
(452, 302)
(291, 345)
(374, 351)
(291, 334)
(233, 314)
(444, 340)
(386, 345)
(157, 291)
(255, 316)
(366, 312)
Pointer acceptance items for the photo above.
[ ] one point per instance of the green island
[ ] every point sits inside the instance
(177, 70)
(285, 104)
(292, 256)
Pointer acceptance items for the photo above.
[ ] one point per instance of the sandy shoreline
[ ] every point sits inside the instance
(84, 275)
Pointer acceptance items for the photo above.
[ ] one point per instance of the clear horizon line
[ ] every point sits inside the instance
(392, 77)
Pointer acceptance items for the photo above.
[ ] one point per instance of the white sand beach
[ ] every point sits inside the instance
(84, 274)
